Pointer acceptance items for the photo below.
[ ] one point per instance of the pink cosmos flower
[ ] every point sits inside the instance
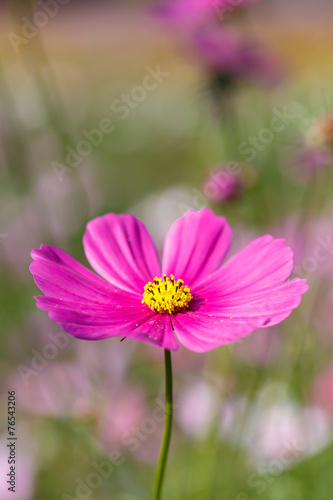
(188, 295)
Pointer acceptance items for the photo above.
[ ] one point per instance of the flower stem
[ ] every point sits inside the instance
(167, 427)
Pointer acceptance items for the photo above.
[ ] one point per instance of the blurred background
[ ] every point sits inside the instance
(154, 108)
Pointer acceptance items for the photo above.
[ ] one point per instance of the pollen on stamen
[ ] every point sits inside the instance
(171, 297)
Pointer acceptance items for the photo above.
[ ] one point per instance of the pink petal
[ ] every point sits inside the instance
(196, 245)
(134, 322)
(90, 308)
(200, 333)
(157, 330)
(224, 320)
(59, 275)
(264, 262)
(121, 250)
(270, 305)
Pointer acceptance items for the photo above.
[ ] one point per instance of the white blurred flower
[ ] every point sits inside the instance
(198, 405)
(282, 431)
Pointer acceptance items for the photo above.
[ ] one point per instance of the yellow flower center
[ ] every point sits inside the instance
(166, 295)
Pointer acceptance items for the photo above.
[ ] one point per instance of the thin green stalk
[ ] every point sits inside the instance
(167, 427)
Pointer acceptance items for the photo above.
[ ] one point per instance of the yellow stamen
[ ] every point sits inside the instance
(166, 295)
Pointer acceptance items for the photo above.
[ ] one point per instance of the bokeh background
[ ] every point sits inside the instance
(153, 109)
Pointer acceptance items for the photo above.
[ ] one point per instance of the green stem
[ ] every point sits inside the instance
(167, 427)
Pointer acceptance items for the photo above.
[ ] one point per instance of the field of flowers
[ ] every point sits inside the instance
(218, 114)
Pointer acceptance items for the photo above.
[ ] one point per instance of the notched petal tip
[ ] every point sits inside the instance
(35, 252)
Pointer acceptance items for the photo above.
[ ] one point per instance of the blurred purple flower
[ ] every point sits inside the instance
(223, 304)
(230, 59)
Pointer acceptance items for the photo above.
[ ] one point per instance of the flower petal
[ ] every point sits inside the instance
(201, 333)
(90, 308)
(59, 275)
(130, 321)
(216, 321)
(264, 262)
(157, 330)
(120, 249)
(271, 304)
(196, 246)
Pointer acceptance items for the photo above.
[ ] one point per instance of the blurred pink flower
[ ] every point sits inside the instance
(198, 405)
(228, 302)
(285, 433)
(222, 184)
(121, 415)
(126, 422)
